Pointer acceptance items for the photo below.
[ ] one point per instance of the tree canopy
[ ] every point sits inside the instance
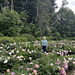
(37, 18)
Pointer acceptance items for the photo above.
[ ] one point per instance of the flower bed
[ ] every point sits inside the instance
(27, 58)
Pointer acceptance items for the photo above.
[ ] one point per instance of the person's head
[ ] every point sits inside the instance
(44, 38)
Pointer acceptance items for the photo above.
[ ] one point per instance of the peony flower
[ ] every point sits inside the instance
(31, 63)
(20, 57)
(58, 53)
(30, 74)
(37, 66)
(63, 71)
(24, 58)
(70, 51)
(66, 52)
(57, 59)
(8, 70)
(62, 54)
(17, 51)
(65, 65)
(74, 63)
(8, 58)
(30, 58)
(14, 43)
(20, 47)
(31, 68)
(11, 44)
(0, 58)
(1, 47)
(59, 63)
(14, 56)
(21, 67)
(2, 44)
(5, 61)
(15, 48)
(23, 74)
(51, 64)
(12, 73)
(28, 50)
(59, 67)
(10, 53)
(23, 49)
(55, 46)
(35, 72)
(28, 69)
(70, 59)
(34, 51)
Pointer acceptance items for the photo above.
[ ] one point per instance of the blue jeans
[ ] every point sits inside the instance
(44, 48)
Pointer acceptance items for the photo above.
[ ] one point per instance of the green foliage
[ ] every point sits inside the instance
(1, 35)
(9, 20)
(28, 36)
(66, 19)
(37, 18)
(13, 31)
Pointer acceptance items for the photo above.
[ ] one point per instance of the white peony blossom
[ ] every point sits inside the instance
(17, 51)
(11, 44)
(5, 61)
(30, 58)
(18, 57)
(14, 43)
(8, 58)
(32, 51)
(1, 47)
(28, 50)
(23, 74)
(24, 58)
(10, 53)
(0, 58)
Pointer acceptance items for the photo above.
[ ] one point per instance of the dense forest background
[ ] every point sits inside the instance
(37, 18)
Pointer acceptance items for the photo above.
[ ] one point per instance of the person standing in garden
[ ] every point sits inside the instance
(44, 44)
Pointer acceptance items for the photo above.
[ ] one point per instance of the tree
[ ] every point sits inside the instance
(12, 5)
(66, 19)
(9, 19)
(43, 16)
(4, 4)
(64, 2)
(29, 5)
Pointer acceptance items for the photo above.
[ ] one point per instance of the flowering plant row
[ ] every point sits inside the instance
(27, 58)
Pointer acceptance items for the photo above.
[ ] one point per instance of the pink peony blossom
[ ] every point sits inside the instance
(62, 54)
(74, 63)
(35, 72)
(51, 64)
(55, 46)
(21, 67)
(59, 63)
(12, 73)
(63, 71)
(65, 65)
(28, 69)
(70, 59)
(30, 74)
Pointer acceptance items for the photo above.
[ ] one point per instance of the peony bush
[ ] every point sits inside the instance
(27, 58)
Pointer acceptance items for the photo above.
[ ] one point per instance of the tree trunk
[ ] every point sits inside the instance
(11, 4)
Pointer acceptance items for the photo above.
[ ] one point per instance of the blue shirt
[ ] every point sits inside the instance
(44, 43)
